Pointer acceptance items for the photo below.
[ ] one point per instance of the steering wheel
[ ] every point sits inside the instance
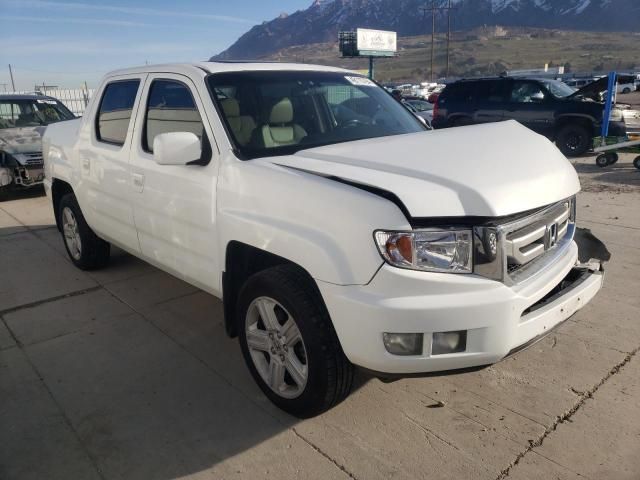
(353, 123)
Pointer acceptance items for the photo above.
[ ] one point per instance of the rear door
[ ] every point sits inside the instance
(490, 100)
(103, 156)
(174, 205)
(532, 105)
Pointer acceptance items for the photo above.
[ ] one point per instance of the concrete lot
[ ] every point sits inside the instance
(126, 373)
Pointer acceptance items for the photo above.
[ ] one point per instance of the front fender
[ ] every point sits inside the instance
(324, 226)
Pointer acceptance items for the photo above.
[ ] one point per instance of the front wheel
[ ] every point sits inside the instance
(289, 343)
(636, 162)
(86, 250)
(573, 140)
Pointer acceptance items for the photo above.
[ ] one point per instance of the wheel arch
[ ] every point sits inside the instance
(582, 119)
(59, 188)
(241, 262)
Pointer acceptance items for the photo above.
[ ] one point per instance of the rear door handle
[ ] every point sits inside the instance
(138, 181)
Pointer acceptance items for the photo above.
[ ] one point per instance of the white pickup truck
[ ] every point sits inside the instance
(336, 229)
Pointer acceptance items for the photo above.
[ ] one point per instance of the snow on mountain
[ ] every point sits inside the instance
(322, 21)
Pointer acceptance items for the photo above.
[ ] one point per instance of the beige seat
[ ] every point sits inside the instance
(241, 125)
(281, 131)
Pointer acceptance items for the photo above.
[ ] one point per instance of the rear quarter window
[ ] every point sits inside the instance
(114, 113)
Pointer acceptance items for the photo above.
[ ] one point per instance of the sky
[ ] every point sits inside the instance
(66, 43)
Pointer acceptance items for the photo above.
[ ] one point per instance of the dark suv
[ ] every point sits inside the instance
(570, 118)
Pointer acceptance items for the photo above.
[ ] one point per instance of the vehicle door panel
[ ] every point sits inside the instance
(103, 164)
(174, 205)
(531, 105)
(490, 101)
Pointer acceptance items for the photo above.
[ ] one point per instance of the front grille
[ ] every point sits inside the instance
(516, 250)
(530, 242)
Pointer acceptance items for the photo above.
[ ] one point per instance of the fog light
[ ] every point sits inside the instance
(449, 342)
(403, 343)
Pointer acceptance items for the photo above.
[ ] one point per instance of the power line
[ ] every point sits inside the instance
(433, 9)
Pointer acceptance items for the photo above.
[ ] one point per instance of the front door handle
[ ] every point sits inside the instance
(138, 181)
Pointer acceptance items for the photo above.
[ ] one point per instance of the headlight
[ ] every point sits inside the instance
(428, 250)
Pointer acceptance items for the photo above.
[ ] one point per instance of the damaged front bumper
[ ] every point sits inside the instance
(21, 176)
(494, 319)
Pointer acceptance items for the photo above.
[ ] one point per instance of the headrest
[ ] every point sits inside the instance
(281, 112)
(230, 107)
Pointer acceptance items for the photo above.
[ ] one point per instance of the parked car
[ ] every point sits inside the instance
(571, 118)
(422, 108)
(23, 118)
(335, 228)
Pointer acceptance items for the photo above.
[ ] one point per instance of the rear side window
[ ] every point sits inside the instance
(170, 108)
(491, 91)
(115, 111)
(461, 92)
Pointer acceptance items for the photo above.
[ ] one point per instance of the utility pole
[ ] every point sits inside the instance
(448, 36)
(13, 85)
(433, 10)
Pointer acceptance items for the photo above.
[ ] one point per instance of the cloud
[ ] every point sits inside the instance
(126, 10)
(79, 21)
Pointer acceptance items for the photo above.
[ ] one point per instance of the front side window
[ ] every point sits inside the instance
(170, 108)
(32, 113)
(279, 113)
(115, 111)
(526, 92)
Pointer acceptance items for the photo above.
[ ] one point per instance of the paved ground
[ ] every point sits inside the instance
(126, 374)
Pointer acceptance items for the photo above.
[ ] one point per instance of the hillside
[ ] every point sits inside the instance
(322, 21)
(487, 51)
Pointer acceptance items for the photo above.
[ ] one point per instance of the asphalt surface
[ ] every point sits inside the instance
(126, 373)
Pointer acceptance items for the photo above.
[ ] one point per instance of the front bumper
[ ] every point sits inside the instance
(499, 319)
(21, 176)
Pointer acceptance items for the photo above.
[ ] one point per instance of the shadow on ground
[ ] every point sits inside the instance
(126, 371)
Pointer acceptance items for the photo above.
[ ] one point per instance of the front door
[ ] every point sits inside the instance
(174, 205)
(531, 105)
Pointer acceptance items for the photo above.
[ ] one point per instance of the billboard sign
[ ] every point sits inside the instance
(377, 42)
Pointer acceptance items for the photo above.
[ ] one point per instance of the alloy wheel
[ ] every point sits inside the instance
(71, 233)
(276, 347)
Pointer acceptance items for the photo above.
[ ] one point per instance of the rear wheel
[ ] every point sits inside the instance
(573, 139)
(626, 90)
(289, 343)
(86, 250)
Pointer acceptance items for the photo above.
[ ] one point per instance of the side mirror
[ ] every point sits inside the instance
(176, 148)
(422, 120)
(537, 97)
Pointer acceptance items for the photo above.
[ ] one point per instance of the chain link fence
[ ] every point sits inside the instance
(75, 99)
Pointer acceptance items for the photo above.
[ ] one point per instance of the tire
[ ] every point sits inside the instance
(312, 372)
(602, 160)
(573, 139)
(636, 162)
(613, 158)
(626, 90)
(86, 250)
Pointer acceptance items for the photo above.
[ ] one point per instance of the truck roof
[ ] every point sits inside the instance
(25, 96)
(225, 66)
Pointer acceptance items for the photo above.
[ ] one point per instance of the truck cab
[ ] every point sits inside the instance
(337, 230)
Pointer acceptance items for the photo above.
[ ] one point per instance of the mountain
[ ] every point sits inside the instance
(322, 21)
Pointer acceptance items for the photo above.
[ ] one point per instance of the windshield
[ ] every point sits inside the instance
(278, 113)
(558, 89)
(32, 113)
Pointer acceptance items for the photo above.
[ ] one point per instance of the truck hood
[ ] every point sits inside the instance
(487, 170)
(21, 140)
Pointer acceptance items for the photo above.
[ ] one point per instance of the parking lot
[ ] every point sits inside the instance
(126, 373)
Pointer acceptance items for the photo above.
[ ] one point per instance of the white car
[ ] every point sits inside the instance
(336, 229)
